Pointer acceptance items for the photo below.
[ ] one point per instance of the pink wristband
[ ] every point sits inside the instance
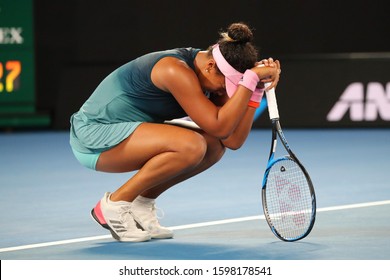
(257, 95)
(249, 80)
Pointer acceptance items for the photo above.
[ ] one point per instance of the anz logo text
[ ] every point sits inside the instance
(370, 104)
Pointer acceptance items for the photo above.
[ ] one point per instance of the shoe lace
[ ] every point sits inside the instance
(154, 214)
(156, 211)
(124, 212)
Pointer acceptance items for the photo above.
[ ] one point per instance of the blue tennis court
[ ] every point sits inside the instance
(46, 197)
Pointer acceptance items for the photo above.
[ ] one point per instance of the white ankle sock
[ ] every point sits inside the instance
(120, 202)
(144, 200)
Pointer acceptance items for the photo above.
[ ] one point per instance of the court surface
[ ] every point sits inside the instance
(46, 197)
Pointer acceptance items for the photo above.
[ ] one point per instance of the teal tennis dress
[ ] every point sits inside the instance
(122, 101)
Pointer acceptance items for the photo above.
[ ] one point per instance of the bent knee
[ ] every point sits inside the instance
(194, 148)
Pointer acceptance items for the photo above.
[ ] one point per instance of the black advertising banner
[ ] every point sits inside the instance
(333, 91)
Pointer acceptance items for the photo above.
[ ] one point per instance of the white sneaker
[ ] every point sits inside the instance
(143, 211)
(116, 217)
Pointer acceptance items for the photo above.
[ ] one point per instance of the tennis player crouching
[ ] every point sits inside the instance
(120, 128)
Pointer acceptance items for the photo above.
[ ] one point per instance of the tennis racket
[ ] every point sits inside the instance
(288, 196)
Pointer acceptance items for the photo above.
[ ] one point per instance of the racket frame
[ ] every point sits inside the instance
(277, 132)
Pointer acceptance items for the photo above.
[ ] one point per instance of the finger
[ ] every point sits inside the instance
(261, 62)
(272, 85)
(267, 61)
(264, 62)
(273, 80)
(277, 62)
(271, 62)
(267, 80)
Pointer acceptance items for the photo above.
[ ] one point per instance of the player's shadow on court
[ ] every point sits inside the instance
(176, 250)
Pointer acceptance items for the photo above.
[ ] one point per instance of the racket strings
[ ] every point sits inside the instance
(288, 199)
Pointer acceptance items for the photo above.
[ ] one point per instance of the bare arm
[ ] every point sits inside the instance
(174, 76)
(238, 137)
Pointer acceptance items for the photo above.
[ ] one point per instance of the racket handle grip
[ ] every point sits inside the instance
(272, 104)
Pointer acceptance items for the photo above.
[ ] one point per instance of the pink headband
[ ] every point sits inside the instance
(232, 76)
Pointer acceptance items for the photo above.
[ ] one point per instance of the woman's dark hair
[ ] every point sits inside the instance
(237, 48)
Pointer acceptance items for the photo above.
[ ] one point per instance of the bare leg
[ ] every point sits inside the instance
(163, 155)
(215, 151)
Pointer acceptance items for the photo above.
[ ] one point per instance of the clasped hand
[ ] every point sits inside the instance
(268, 71)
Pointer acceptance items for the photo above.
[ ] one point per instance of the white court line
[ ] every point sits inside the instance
(197, 225)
